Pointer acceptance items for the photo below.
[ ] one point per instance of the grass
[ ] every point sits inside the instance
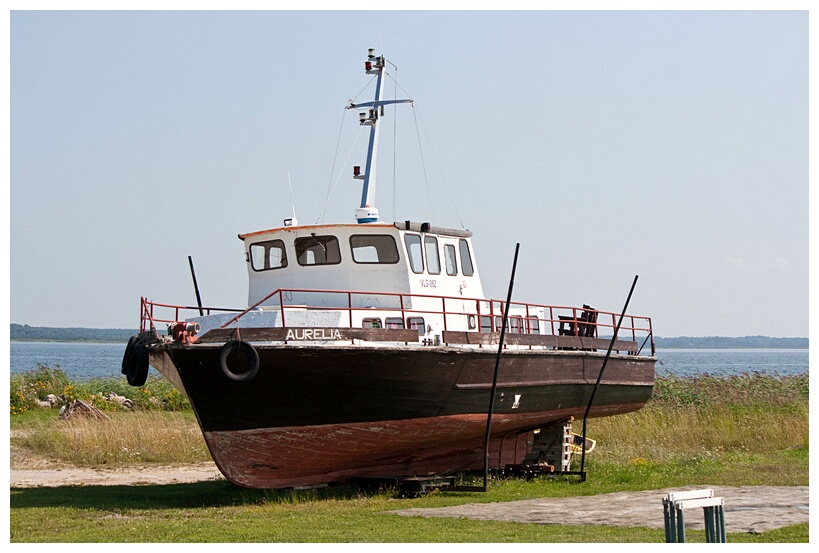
(127, 439)
(705, 430)
(219, 512)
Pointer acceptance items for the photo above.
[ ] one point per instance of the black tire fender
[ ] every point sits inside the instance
(129, 351)
(250, 354)
(136, 365)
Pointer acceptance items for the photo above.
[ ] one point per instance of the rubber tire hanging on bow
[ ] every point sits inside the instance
(250, 355)
(135, 362)
(129, 350)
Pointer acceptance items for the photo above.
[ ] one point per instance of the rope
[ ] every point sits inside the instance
(333, 170)
(423, 165)
(331, 185)
(329, 193)
(395, 146)
(438, 163)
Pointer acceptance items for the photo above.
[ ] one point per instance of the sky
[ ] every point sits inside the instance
(672, 145)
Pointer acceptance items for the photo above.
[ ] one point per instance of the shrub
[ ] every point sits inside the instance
(32, 386)
(35, 385)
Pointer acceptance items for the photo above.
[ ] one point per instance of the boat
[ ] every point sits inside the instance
(368, 349)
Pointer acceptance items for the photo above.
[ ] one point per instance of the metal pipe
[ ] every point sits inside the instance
(495, 377)
(599, 378)
(196, 287)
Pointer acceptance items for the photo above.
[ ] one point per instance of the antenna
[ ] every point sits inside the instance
(375, 65)
(291, 222)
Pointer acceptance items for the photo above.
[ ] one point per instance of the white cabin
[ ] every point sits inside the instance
(375, 275)
(402, 258)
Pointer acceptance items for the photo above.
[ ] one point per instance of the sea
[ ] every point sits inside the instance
(86, 361)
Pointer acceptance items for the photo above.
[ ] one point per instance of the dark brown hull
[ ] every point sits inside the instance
(314, 415)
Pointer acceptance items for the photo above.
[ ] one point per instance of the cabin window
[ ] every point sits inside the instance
(416, 256)
(317, 250)
(466, 259)
(417, 323)
(393, 322)
(374, 248)
(268, 255)
(450, 260)
(486, 323)
(433, 260)
(533, 326)
(514, 325)
(371, 322)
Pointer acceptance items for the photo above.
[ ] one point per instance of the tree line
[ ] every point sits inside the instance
(723, 342)
(57, 334)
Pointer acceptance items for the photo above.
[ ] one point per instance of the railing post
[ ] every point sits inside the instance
(669, 512)
(721, 524)
(281, 305)
(680, 523)
(710, 534)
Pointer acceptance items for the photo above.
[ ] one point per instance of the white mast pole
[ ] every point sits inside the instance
(367, 212)
(368, 193)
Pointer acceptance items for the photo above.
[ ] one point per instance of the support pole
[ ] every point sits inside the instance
(195, 287)
(599, 378)
(495, 376)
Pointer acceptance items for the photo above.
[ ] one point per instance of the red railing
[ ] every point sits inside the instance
(148, 320)
(523, 317)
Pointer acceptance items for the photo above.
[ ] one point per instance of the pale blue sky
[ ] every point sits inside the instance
(673, 145)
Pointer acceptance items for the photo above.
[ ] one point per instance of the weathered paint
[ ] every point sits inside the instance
(317, 414)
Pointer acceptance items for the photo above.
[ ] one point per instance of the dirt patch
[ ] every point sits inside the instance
(753, 509)
(50, 478)
(30, 471)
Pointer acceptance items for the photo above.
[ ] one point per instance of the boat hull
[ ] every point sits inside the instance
(319, 414)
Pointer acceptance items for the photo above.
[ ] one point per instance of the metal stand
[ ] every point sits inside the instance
(675, 504)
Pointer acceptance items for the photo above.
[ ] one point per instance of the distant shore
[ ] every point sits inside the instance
(723, 342)
(65, 334)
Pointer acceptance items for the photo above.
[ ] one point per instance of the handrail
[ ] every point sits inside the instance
(147, 312)
(484, 308)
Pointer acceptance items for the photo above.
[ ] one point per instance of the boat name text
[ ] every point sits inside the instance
(313, 334)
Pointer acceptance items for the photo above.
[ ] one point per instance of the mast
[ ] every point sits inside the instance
(367, 212)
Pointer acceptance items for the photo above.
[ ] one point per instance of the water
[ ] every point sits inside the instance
(687, 362)
(83, 361)
(78, 360)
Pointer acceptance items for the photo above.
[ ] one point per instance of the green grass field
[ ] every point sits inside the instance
(746, 430)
